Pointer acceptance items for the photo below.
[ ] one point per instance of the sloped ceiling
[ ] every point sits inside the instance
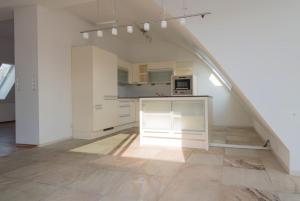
(257, 44)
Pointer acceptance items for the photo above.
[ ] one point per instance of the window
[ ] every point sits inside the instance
(7, 79)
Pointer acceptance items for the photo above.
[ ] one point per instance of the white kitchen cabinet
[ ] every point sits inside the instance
(156, 116)
(94, 91)
(126, 66)
(140, 71)
(126, 111)
(184, 68)
(175, 121)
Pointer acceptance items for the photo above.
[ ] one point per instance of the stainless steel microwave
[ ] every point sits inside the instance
(182, 85)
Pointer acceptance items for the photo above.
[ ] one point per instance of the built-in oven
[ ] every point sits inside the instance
(182, 85)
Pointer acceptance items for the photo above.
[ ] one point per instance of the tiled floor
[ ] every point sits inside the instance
(235, 136)
(63, 172)
(7, 138)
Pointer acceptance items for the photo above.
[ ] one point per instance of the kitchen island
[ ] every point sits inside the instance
(176, 121)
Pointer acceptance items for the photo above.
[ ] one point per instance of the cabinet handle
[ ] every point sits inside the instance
(109, 97)
(98, 107)
(125, 115)
(124, 105)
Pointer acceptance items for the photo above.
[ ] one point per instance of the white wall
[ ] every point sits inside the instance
(43, 54)
(257, 44)
(27, 121)
(57, 32)
(228, 109)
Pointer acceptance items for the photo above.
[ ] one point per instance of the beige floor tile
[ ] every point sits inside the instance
(102, 181)
(119, 163)
(64, 175)
(71, 195)
(248, 178)
(160, 168)
(211, 150)
(137, 172)
(175, 155)
(204, 173)
(9, 164)
(241, 152)
(289, 197)
(138, 187)
(297, 184)
(192, 190)
(243, 162)
(141, 152)
(25, 190)
(236, 193)
(281, 181)
(205, 159)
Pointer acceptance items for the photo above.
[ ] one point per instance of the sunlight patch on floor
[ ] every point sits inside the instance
(103, 146)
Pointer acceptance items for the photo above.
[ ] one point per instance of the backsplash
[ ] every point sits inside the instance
(143, 90)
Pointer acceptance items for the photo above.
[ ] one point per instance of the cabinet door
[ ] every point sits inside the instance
(105, 89)
(110, 113)
(124, 112)
(188, 116)
(156, 116)
(105, 73)
(137, 110)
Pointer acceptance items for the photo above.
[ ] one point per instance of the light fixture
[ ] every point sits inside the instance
(85, 35)
(146, 26)
(130, 29)
(182, 20)
(100, 33)
(114, 31)
(164, 24)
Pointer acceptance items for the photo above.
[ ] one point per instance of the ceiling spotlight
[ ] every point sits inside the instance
(146, 26)
(164, 24)
(114, 31)
(182, 21)
(130, 29)
(100, 33)
(85, 35)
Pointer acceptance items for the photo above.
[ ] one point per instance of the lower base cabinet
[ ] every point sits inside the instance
(175, 121)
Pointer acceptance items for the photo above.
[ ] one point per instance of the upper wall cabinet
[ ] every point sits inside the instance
(125, 72)
(94, 91)
(141, 71)
(184, 68)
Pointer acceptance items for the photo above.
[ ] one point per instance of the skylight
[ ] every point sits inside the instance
(7, 79)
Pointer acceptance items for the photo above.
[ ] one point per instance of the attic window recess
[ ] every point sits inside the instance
(113, 25)
(7, 79)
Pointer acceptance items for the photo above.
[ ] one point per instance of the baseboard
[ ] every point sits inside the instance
(54, 141)
(97, 134)
(7, 122)
(238, 146)
(295, 173)
(26, 146)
